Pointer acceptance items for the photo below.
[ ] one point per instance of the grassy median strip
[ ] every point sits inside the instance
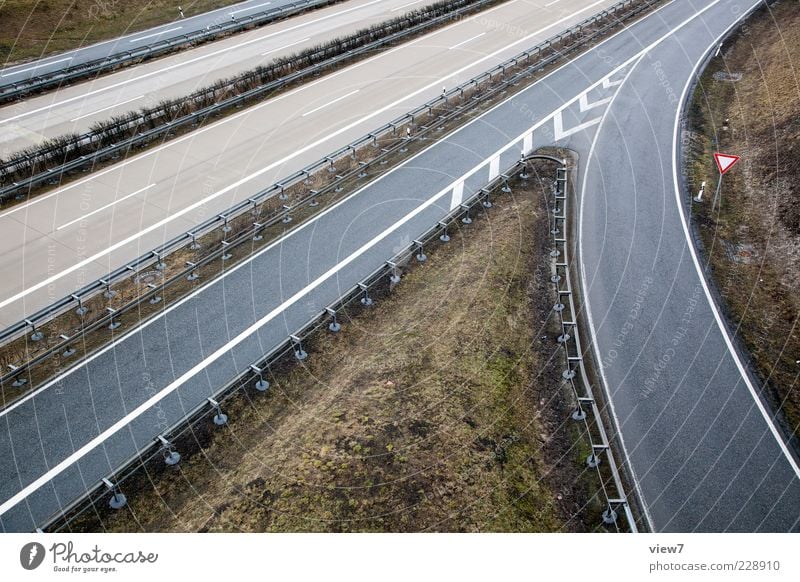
(748, 103)
(439, 408)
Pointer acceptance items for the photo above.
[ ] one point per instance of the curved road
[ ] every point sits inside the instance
(704, 457)
(703, 448)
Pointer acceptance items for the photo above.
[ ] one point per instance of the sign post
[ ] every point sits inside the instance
(724, 163)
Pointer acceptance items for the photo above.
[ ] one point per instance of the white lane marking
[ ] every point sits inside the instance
(330, 103)
(159, 33)
(249, 8)
(38, 66)
(551, 3)
(285, 46)
(188, 375)
(105, 109)
(589, 318)
(463, 42)
(300, 227)
(269, 167)
(181, 64)
(585, 105)
(560, 133)
(700, 274)
(608, 83)
(458, 194)
(118, 200)
(405, 5)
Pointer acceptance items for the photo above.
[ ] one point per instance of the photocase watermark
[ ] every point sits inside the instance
(65, 557)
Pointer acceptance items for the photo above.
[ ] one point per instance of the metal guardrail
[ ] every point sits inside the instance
(575, 374)
(144, 137)
(259, 373)
(75, 301)
(226, 26)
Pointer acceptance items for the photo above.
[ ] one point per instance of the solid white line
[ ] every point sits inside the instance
(589, 318)
(182, 63)
(155, 34)
(71, 222)
(35, 67)
(267, 168)
(330, 103)
(463, 42)
(551, 3)
(405, 5)
(250, 8)
(105, 109)
(284, 47)
(689, 243)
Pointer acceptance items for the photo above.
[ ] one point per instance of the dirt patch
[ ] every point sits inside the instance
(748, 103)
(440, 408)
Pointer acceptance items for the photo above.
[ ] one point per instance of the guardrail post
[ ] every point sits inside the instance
(420, 256)
(194, 244)
(444, 237)
(160, 265)
(171, 456)
(68, 349)
(363, 172)
(287, 218)
(394, 272)
(593, 460)
(225, 226)
(36, 335)
(220, 418)
(225, 253)
(81, 311)
(257, 230)
(282, 195)
(261, 385)
(506, 188)
(467, 218)
(486, 202)
(334, 325)
(299, 352)
(366, 300)
(314, 201)
(155, 298)
(192, 276)
(118, 499)
(112, 325)
(19, 381)
(109, 292)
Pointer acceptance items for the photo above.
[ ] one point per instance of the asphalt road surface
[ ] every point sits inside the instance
(75, 430)
(167, 31)
(76, 107)
(60, 241)
(702, 446)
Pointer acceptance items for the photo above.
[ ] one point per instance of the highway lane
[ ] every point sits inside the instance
(702, 447)
(167, 31)
(60, 241)
(72, 432)
(77, 107)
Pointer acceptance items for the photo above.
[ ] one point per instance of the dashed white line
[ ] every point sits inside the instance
(405, 5)
(330, 103)
(105, 109)
(463, 42)
(36, 67)
(284, 47)
(182, 212)
(109, 205)
(250, 8)
(159, 33)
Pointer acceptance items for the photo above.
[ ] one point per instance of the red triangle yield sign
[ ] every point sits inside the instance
(725, 161)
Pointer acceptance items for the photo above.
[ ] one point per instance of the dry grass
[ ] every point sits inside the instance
(753, 238)
(35, 28)
(440, 408)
